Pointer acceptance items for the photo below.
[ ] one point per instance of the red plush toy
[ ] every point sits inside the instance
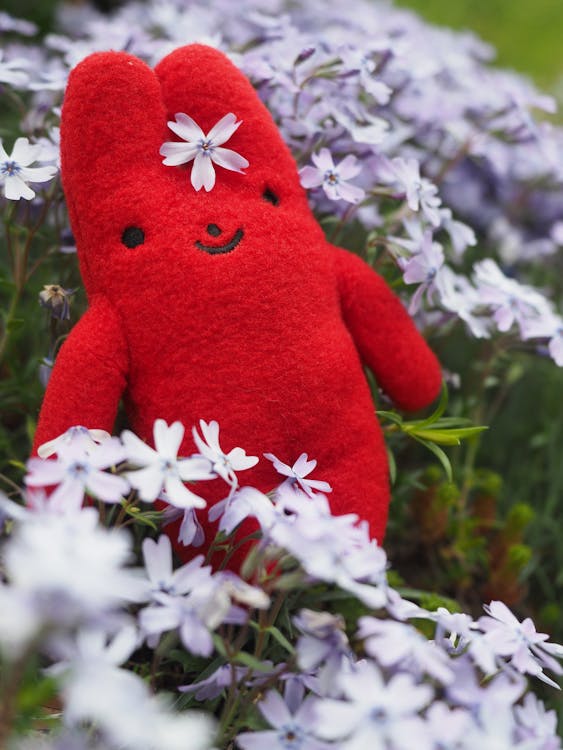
(225, 302)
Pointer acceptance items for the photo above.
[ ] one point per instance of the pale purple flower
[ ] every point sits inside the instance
(183, 614)
(71, 567)
(323, 648)
(195, 602)
(296, 474)
(119, 702)
(512, 302)
(398, 645)
(331, 548)
(19, 25)
(421, 194)
(377, 715)
(213, 686)
(79, 469)
(447, 726)
(16, 173)
(246, 502)
(292, 730)
(460, 297)
(162, 469)
(527, 650)
(462, 235)
(547, 326)
(13, 72)
(79, 436)
(204, 149)
(536, 726)
(223, 464)
(157, 556)
(423, 268)
(333, 178)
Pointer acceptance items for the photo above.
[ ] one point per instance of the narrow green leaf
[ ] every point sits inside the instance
(391, 416)
(440, 455)
(280, 638)
(248, 660)
(392, 465)
(440, 409)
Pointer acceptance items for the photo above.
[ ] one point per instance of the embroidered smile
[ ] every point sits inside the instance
(216, 249)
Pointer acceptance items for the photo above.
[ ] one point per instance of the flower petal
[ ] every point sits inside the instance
(167, 439)
(350, 193)
(177, 153)
(136, 450)
(38, 174)
(311, 177)
(147, 481)
(323, 160)
(107, 487)
(349, 167)
(186, 128)
(223, 130)
(15, 188)
(24, 152)
(180, 496)
(229, 159)
(203, 174)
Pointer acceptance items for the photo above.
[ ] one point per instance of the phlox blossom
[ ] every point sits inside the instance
(161, 467)
(333, 177)
(203, 149)
(79, 468)
(16, 173)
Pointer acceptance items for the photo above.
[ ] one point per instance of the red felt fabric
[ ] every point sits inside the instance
(268, 339)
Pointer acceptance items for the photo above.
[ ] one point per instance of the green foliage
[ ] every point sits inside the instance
(526, 33)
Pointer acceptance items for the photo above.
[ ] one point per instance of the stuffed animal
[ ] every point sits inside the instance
(213, 293)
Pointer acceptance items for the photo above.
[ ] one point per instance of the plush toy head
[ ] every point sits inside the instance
(226, 303)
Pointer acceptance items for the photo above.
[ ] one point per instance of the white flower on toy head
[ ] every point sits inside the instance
(204, 149)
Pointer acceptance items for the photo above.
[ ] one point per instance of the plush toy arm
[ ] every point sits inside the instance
(385, 336)
(88, 378)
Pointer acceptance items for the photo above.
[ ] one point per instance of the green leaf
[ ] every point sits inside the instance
(446, 437)
(275, 633)
(391, 416)
(440, 409)
(15, 324)
(248, 660)
(440, 455)
(392, 465)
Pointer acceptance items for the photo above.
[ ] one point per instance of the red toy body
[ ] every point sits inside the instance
(269, 337)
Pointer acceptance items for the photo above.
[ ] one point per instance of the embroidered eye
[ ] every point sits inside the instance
(270, 196)
(133, 236)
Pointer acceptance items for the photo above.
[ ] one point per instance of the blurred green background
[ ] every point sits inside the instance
(528, 34)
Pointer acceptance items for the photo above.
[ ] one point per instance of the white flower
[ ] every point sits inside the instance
(528, 650)
(71, 567)
(333, 178)
(158, 564)
(77, 435)
(223, 464)
(119, 702)
(13, 71)
(378, 715)
(296, 474)
(204, 149)
(77, 470)
(397, 644)
(15, 171)
(421, 194)
(162, 469)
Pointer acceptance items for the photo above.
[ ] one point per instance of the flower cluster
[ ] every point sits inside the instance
(265, 650)
(404, 127)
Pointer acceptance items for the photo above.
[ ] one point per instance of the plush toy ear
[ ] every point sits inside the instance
(113, 124)
(203, 83)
